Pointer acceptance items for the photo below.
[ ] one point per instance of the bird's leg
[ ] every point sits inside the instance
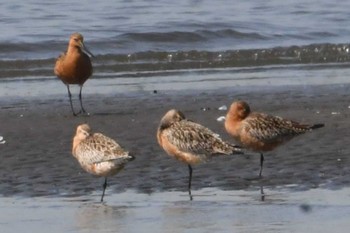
(190, 181)
(261, 164)
(81, 101)
(70, 100)
(104, 189)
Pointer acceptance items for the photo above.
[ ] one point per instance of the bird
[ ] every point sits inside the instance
(261, 132)
(74, 66)
(98, 154)
(190, 142)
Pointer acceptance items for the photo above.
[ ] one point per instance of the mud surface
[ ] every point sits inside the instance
(36, 159)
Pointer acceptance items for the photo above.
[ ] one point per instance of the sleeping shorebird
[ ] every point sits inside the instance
(98, 154)
(74, 66)
(190, 142)
(261, 132)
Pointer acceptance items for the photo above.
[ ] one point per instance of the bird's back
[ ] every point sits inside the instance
(192, 142)
(264, 132)
(101, 155)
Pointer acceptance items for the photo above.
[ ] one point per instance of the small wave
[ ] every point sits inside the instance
(232, 34)
(185, 60)
(196, 36)
(163, 37)
(194, 59)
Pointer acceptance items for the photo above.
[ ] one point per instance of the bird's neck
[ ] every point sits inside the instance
(232, 123)
(74, 51)
(76, 141)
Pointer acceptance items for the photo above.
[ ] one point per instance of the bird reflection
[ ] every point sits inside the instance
(262, 194)
(97, 217)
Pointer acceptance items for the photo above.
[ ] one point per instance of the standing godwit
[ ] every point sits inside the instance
(190, 142)
(261, 132)
(74, 66)
(98, 154)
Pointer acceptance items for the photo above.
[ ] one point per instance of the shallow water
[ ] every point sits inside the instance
(211, 210)
(37, 30)
(145, 45)
(183, 80)
(184, 25)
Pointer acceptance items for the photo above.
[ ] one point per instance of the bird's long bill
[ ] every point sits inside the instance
(86, 50)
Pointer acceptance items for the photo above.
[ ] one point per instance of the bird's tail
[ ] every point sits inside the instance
(230, 149)
(237, 149)
(130, 157)
(127, 156)
(123, 159)
(316, 126)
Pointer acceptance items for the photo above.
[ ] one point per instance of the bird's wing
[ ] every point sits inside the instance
(191, 137)
(99, 148)
(271, 128)
(58, 64)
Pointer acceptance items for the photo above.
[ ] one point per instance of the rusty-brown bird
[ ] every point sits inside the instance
(261, 132)
(74, 66)
(190, 142)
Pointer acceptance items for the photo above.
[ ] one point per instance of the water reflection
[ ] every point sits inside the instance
(262, 193)
(95, 217)
(212, 210)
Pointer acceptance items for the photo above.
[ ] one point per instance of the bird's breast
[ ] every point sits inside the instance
(183, 156)
(72, 69)
(102, 169)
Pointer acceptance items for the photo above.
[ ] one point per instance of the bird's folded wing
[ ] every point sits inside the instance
(271, 128)
(191, 137)
(100, 148)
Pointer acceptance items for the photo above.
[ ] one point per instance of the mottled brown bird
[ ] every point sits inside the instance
(74, 66)
(190, 142)
(98, 154)
(261, 132)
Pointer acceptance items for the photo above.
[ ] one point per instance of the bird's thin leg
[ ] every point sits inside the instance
(81, 101)
(70, 100)
(190, 181)
(261, 164)
(104, 189)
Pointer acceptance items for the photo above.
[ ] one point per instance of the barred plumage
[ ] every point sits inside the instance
(271, 128)
(190, 142)
(98, 154)
(259, 131)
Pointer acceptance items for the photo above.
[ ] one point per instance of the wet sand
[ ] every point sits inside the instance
(37, 157)
(37, 167)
